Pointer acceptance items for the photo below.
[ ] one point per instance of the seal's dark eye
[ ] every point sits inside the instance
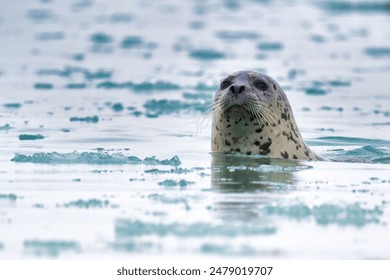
(224, 85)
(261, 85)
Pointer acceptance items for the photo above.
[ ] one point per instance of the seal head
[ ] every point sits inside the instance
(252, 115)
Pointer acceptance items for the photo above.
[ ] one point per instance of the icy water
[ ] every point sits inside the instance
(100, 156)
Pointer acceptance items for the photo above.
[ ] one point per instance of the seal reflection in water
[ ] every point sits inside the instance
(235, 173)
(252, 115)
(246, 184)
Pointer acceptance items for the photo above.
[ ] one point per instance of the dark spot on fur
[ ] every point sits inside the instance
(307, 153)
(229, 125)
(274, 87)
(246, 124)
(227, 143)
(248, 153)
(265, 147)
(257, 143)
(252, 119)
(216, 127)
(283, 116)
(295, 157)
(259, 130)
(295, 133)
(284, 155)
(293, 139)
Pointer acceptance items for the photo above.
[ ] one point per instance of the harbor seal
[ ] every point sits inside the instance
(252, 115)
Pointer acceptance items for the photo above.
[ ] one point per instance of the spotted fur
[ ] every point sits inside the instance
(252, 115)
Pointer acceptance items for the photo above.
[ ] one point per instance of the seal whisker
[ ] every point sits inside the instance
(213, 110)
(204, 119)
(259, 116)
(258, 105)
(271, 116)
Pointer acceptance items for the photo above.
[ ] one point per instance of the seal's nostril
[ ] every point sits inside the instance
(241, 89)
(232, 89)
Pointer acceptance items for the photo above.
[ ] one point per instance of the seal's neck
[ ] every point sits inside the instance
(238, 130)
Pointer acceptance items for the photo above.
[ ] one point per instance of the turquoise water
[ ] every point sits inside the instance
(101, 151)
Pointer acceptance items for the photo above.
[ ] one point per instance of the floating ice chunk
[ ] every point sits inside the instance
(31, 137)
(91, 158)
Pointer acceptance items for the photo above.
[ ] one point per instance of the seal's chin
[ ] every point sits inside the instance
(236, 108)
(245, 104)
